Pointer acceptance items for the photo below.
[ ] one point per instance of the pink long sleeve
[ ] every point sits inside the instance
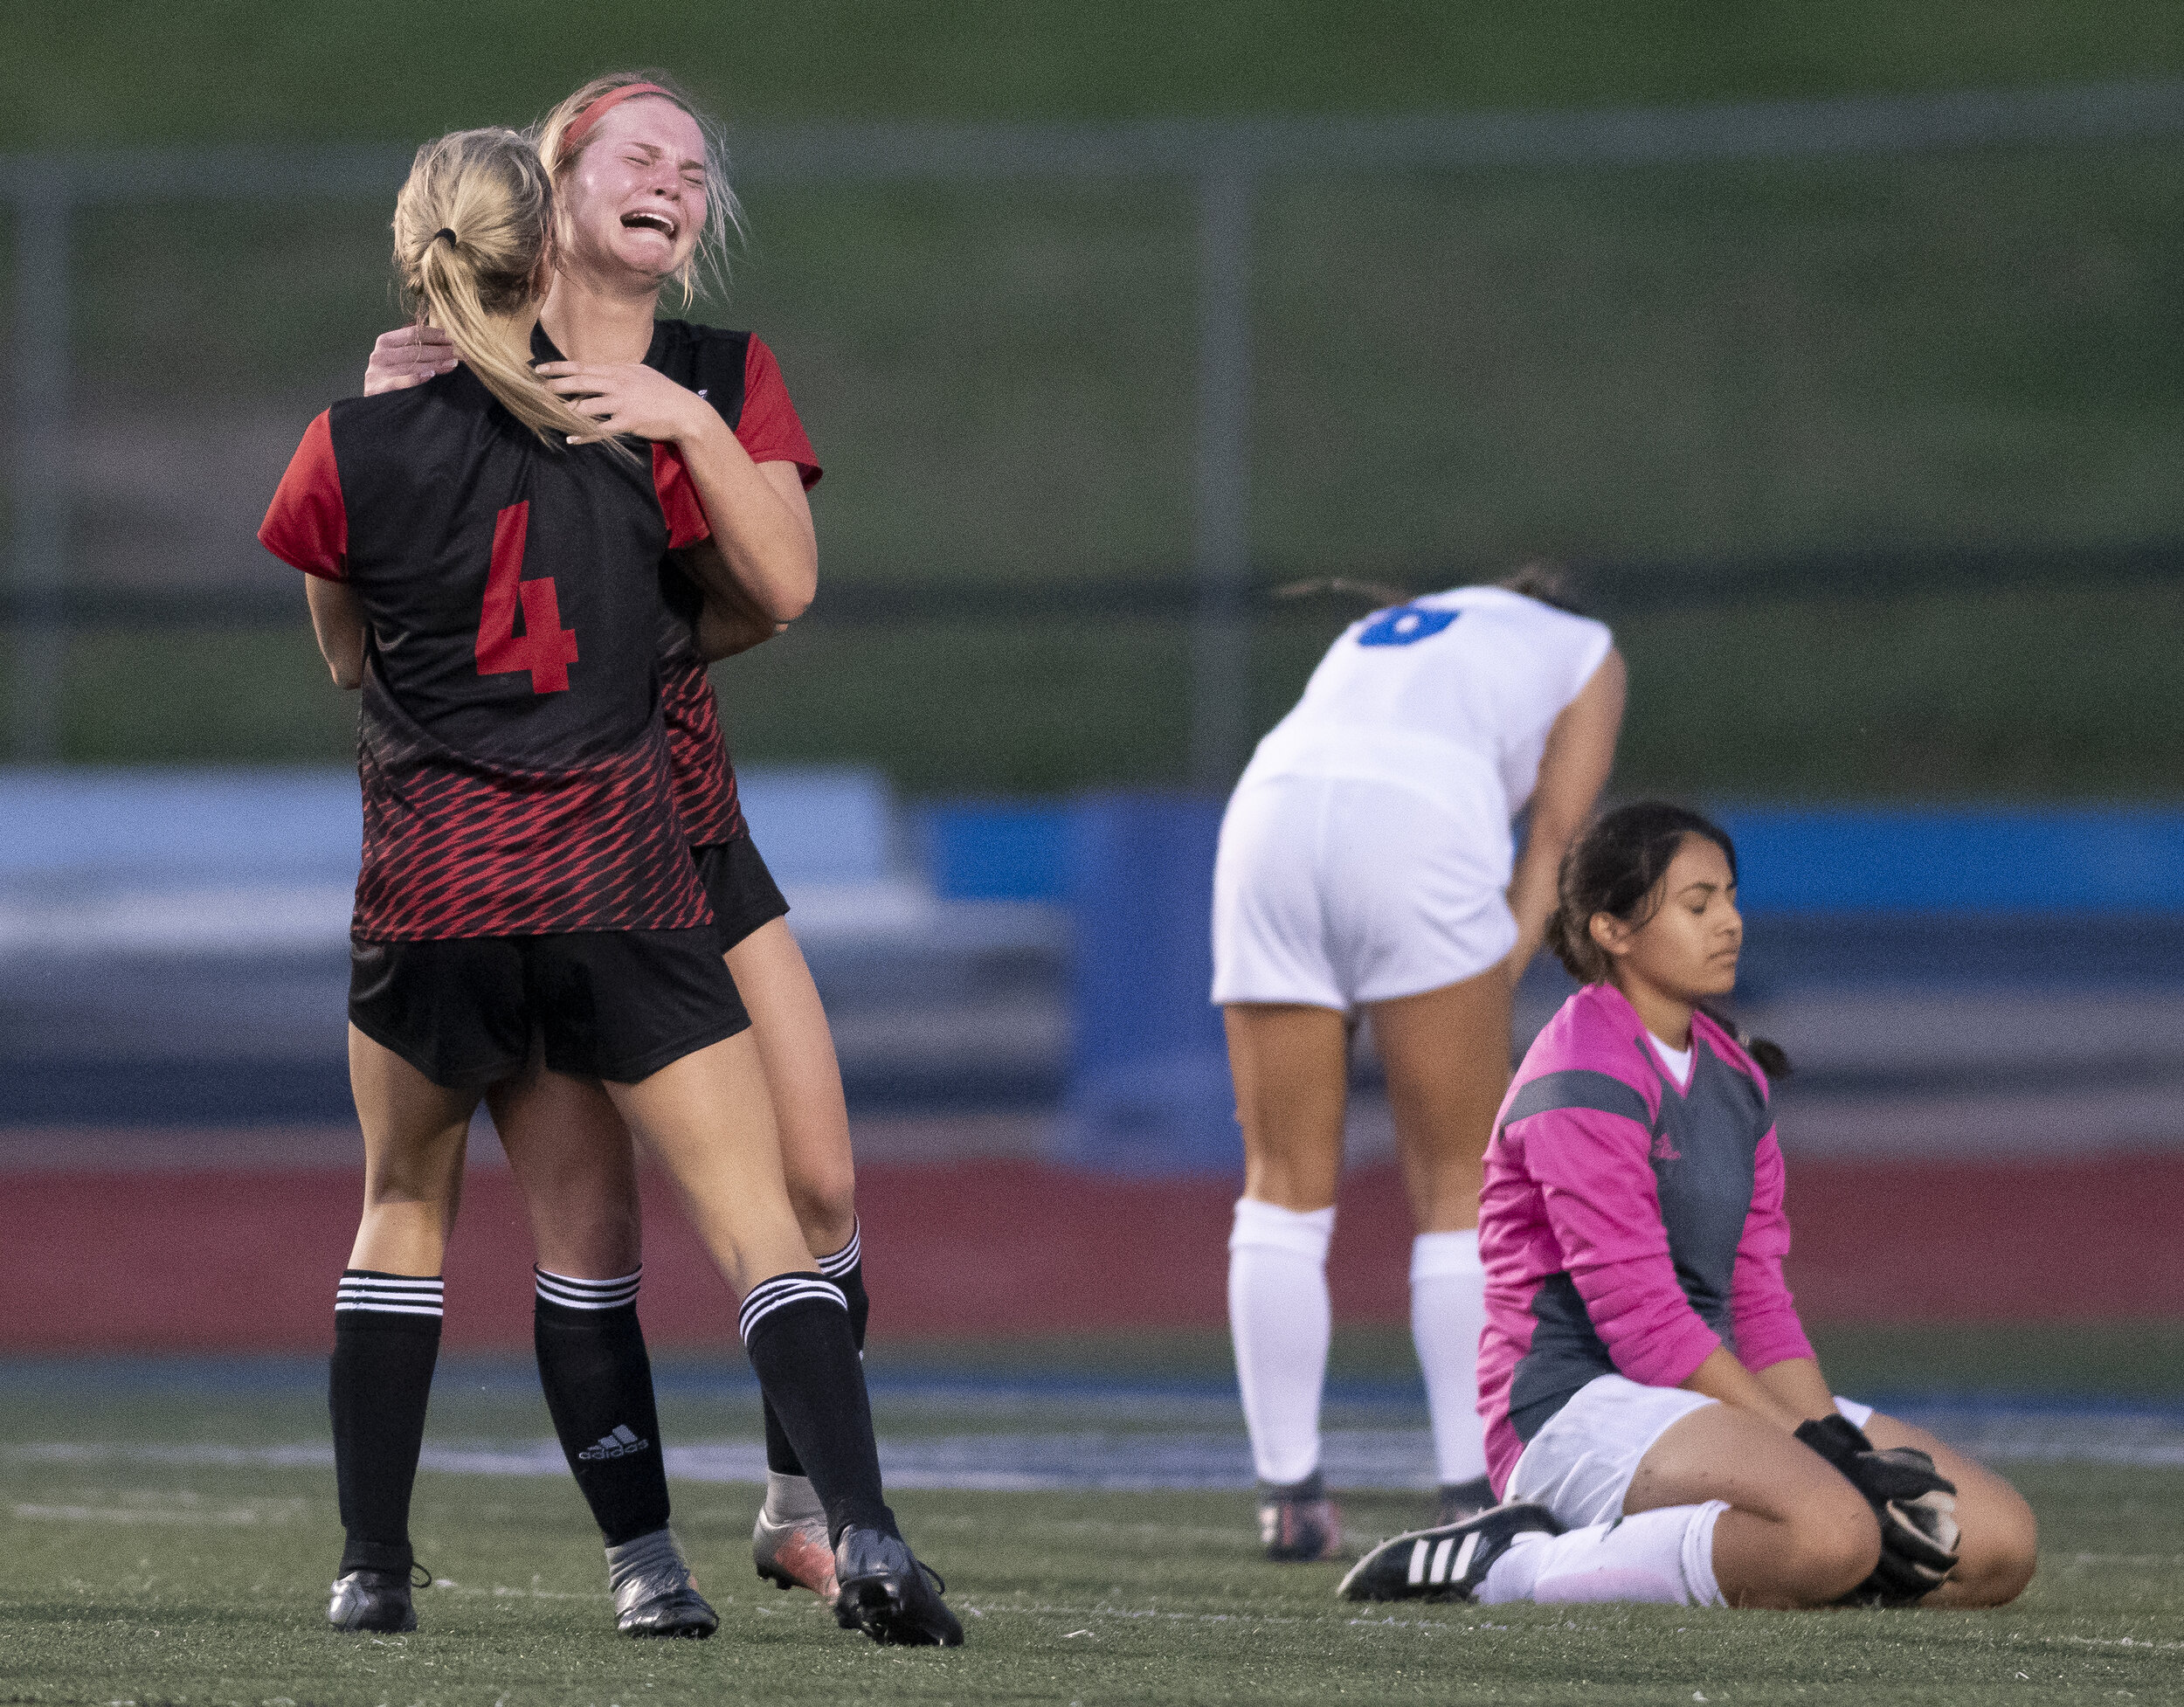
(1605, 1209)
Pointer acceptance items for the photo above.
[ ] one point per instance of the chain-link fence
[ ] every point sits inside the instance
(1085, 393)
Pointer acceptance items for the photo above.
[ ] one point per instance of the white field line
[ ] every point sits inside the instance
(1148, 1462)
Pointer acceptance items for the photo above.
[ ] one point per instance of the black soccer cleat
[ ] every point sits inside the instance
(1460, 1500)
(654, 1594)
(1448, 1563)
(374, 1600)
(884, 1592)
(1298, 1523)
(673, 1612)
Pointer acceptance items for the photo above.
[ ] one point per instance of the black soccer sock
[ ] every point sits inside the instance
(796, 1330)
(386, 1339)
(846, 1269)
(599, 1385)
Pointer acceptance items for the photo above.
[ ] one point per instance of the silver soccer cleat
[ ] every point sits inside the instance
(654, 1594)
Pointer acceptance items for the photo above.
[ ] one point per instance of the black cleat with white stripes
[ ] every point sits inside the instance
(1445, 1563)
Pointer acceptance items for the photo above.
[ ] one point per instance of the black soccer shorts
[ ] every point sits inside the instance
(616, 1005)
(742, 891)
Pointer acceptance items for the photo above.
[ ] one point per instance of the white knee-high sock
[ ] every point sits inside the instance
(1666, 1556)
(1448, 1314)
(1279, 1314)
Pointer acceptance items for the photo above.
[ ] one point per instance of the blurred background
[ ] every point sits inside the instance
(1838, 349)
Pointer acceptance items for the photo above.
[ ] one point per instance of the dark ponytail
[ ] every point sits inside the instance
(1617, 867)
(1773, 1059)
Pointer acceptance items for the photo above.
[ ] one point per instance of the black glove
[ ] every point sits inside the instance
(1915, 1503)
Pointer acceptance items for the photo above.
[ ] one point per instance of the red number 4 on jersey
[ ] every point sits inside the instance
(544, 648)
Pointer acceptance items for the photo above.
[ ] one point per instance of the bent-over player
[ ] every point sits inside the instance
(1366, 867)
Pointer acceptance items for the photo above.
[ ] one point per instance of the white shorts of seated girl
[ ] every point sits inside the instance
(1581, 1464)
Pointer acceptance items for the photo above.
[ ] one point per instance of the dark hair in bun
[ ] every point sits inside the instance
(1617, 867)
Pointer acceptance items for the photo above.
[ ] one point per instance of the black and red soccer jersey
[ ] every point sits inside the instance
(515, 768)
(739, 377)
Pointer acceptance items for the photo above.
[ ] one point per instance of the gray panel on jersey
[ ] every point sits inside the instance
(1703, 1143)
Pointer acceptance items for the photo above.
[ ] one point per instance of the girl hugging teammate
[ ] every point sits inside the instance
(1655, 1417)
(642, 201)
(527, 883)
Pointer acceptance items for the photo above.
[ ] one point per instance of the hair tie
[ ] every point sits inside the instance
(443, 231)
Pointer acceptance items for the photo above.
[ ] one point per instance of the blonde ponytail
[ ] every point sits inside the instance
(471, 232)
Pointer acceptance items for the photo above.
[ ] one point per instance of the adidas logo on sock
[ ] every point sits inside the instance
(619, 1444)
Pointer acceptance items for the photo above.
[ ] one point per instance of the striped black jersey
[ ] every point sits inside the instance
(512, 746)
(739, 377)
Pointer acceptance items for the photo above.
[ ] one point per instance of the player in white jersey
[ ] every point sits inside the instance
(1368, 868)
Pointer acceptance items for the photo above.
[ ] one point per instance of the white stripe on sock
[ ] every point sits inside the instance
(574, 1294)
(399, 1295)
(848, 1256)
(784, 1289)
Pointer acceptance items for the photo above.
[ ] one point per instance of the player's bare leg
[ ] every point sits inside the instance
(1445, 1053)
(796, 1048)
(576, 1169)
(415, 1136)
(1290, 1065)
(1998, 1551)
(1796, 1533)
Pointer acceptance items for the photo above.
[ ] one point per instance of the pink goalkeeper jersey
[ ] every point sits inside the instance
(1628, 1225)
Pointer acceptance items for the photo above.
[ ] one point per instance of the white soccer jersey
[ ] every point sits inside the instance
(1365, 854)
(1450, 696)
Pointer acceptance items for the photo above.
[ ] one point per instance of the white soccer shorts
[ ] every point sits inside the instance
(1581, 1464)
(1334, 894)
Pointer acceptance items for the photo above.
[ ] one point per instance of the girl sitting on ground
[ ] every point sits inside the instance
(1655, 1417)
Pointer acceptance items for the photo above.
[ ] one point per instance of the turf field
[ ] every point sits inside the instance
(165, 1532)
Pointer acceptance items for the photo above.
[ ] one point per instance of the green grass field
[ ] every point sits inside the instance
(205, 1587)
(128, 1581)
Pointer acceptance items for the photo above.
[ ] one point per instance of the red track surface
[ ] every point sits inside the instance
(246, 1261)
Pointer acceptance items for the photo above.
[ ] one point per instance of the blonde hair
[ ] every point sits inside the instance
(724, 227)
(472, 228)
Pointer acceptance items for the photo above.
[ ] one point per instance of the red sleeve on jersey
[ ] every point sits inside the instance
(307, 524)
(769, 429)
(677, 498)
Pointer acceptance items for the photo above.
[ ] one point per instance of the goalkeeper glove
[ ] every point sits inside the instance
(1915, 1503)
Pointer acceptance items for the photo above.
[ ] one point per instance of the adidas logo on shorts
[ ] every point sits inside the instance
(619, 1444)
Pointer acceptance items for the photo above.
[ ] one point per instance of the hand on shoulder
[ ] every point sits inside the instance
(630, 397)
(408, 355)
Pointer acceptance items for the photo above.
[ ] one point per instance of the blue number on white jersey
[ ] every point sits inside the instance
(1405, 625)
